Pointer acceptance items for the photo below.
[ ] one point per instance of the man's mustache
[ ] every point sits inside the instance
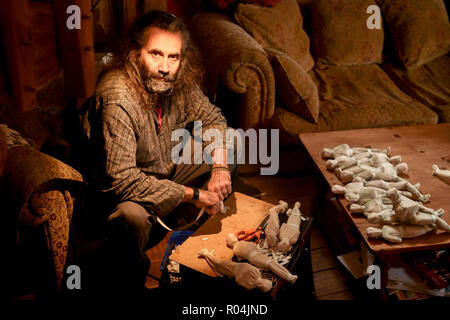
(165, 77)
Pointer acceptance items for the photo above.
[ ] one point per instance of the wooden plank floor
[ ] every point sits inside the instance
(329, 281)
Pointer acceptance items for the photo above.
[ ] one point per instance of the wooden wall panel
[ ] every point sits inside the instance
(77, 49)
(130, 12)
(30, 57)
(106, 24)
(18, 46)
(44, 42)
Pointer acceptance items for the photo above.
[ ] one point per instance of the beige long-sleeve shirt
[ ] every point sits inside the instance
(130, 159)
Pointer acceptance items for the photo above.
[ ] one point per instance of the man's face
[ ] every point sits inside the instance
(160, 59)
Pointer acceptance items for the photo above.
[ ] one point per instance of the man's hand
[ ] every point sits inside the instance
(220, 183)
(209, 200)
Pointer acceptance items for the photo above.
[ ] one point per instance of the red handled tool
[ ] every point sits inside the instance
(253, 234)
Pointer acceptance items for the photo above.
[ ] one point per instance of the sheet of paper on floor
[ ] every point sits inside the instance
(352, 261)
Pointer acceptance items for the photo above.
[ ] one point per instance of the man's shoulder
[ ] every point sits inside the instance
(111, 82)
(113, 92)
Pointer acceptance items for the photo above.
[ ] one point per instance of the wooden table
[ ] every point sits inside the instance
(420, 147)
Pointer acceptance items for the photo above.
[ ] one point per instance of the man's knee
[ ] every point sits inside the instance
(131, 215)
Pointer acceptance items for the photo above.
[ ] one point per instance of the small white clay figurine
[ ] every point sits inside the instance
(397, 233)
(248, 250)
(409, 211)
(244, 274)
(412, 190)
(290, 231)
(371, 206)
(386, 171)
(345, 150)
(342, 162)
(273, 225)
(340, 150)
(444, 175)
(382, 217)
(377, 159)
(356, 150)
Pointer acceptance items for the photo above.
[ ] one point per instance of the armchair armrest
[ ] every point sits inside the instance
(40, 192)
(233, 56)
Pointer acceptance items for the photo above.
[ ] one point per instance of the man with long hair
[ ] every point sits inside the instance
(150, 89)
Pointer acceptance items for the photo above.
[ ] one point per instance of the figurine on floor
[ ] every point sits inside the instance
(248, 250)
(397, 233)
(290, 231)
(273, 225)
(444, 175)
(244, 274)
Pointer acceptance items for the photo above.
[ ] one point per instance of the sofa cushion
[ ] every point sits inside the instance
(279, 27)
(224, 5)
(419, 29)
(294, 86)
(340, 36)
(356, 97)
(429, 84)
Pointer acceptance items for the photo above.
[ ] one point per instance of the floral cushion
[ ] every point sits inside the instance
(419, 29)
(340, 36)
(279, 27)
(294, 86)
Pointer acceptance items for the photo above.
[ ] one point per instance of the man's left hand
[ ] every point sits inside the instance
(220, 183)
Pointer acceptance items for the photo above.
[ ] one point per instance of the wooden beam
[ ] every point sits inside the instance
(130, 12)
(77, 49)
(17, 42)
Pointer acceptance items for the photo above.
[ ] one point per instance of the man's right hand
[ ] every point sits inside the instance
(209, 200)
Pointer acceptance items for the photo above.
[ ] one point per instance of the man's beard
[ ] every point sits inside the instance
(156, 82)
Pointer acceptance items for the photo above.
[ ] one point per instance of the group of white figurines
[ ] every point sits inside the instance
(277, 238)
(374, 186)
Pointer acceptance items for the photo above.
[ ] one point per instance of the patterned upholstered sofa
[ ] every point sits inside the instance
(39, 195)
(315, 65)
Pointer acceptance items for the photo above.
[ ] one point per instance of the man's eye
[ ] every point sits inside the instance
(154, 54)
(174, 58)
